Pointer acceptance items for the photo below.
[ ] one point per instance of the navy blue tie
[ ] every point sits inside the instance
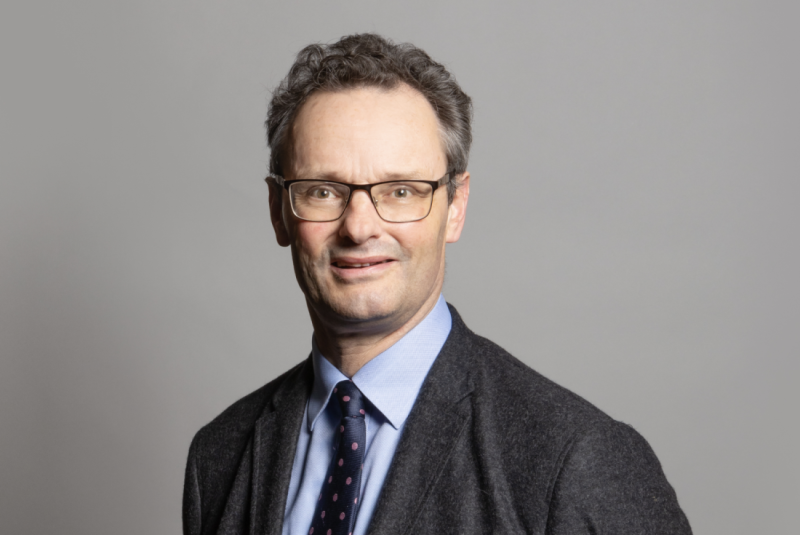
(338, 501)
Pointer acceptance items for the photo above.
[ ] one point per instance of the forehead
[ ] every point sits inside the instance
(366, 134)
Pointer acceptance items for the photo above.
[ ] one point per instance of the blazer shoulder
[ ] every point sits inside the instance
(235, 423)
(520, 405)
(513, 383)
(218, 453)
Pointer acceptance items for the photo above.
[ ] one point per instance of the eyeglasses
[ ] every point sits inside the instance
(396, 201)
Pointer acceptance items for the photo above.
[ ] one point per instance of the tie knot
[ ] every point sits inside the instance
(350, 399)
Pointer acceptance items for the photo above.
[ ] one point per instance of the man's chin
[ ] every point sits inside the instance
(363, 314)
(361, 309)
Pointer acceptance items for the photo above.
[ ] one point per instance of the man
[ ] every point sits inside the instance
(402, 420)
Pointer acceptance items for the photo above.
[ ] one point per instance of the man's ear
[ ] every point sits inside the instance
(457, 211)
(276, 213)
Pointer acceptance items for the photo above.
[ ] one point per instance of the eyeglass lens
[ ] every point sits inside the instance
(397, 202)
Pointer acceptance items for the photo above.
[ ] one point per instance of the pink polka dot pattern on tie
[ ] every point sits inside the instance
(343, 481)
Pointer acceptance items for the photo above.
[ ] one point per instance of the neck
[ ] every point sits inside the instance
(350, 349)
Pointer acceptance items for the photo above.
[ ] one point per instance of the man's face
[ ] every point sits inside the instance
(361, 271)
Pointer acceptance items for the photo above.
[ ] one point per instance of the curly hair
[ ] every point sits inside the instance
(369, 60)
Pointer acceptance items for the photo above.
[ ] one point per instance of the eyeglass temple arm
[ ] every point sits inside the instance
(278, 179)
(446, 178)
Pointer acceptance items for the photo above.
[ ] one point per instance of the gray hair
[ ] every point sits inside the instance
(369, 60)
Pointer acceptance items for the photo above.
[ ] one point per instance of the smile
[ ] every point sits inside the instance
(354, 265)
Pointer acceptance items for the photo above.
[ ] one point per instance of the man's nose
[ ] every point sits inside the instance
(360, 220)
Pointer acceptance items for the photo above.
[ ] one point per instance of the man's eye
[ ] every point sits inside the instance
(401, 193)
(321, 193)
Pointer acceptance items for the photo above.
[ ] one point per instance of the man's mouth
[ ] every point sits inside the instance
(355, 265)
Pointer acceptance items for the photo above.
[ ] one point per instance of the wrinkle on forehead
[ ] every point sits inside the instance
(367, 134)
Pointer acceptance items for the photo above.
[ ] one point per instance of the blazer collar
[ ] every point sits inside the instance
(274, 445)
(437, 421)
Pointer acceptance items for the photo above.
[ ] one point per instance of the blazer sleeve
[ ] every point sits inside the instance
(610, 482)
(191, 494)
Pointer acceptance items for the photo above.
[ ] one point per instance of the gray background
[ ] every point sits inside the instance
(632, 234)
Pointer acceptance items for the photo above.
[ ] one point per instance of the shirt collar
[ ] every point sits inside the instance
(392, 380)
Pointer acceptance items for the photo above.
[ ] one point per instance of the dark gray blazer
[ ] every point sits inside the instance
(490, 446)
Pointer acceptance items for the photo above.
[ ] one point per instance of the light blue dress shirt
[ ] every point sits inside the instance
(390, 382)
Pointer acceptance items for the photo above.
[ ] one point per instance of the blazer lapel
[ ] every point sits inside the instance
(274, 445)
(437, 421)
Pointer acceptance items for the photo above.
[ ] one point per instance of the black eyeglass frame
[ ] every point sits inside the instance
(435, 184)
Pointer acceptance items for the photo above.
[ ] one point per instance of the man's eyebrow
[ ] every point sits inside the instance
(317, 176)
(334, 177)
(413, 175)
